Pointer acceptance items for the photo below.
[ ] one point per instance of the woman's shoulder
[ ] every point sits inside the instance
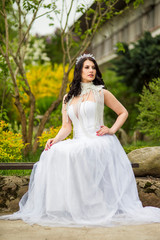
(107, 92)
(108, 95)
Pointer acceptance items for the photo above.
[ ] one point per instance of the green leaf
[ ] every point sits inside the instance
(127, 1)
(120, 47)
(90, 11)
(136, 3)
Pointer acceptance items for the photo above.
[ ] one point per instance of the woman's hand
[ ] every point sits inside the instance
(104, 130)
(49, 143)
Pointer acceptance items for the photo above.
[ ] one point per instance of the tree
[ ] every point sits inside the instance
(139, 65)
(14, 51)
(149, 110)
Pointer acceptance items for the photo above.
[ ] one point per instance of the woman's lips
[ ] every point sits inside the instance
(90, 75)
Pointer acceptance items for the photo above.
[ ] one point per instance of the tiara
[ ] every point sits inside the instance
(84, 56)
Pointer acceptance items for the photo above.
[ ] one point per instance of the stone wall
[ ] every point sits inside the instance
(149, 191)
(12, 189)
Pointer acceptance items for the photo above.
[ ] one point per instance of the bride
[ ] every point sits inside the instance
(87, 180)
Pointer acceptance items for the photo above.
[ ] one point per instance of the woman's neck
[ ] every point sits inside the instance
(86, 84)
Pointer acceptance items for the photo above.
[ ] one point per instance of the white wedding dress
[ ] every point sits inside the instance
(84, 181)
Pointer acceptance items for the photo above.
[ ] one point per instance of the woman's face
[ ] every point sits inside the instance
(88, 71)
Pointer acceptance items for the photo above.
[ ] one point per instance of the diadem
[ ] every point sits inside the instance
(84, 56)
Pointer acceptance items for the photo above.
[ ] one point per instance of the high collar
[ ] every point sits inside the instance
(86, 87)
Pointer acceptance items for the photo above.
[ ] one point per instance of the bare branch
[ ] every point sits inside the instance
(62, 13)
(2, 52)
(29, 27)
(68, 15)
(20, 24)
(21, 71)
(2, 38)
(6, 26)
(87, 24)
(24, 19)
(16, 72)
(13, 12)
(64, 51)
(25, 48)
(87, 40)
(95, 15)
(44, 14)
(67, 46)
(109, 8)
(2, 13)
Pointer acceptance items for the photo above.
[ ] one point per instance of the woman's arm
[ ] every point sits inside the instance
(65, 129)
(118, 108)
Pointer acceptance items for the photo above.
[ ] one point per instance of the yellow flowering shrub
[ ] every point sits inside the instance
(50, 134)
(11, 144)
(45, 81)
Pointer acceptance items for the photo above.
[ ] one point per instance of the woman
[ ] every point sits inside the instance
(87, 180)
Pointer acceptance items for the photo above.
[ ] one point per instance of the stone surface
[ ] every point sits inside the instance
(148, 159)
(149, 191)
(12, 188)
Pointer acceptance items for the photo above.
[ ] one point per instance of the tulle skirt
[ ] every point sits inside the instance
(84, 182)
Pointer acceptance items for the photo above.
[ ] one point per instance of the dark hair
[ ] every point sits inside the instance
(75, 85)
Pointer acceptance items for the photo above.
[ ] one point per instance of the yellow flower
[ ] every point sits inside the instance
(45, 81)
(50, 134)
(11, 144)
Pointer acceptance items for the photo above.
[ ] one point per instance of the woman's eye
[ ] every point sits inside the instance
(87, 67)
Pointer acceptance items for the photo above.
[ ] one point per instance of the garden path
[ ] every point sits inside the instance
(18, 230)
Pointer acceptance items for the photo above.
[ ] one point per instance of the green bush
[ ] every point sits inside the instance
(44, 103)
(130, 148)
(149, 108)
(126, 96)
(137, 66)
(140, 144)
(55, 118)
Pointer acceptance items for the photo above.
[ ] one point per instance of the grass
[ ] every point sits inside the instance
(30, 158)
(15, 172)
(140, 144)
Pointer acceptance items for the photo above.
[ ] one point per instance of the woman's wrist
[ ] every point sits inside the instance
(112, 131)
(56, 140)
